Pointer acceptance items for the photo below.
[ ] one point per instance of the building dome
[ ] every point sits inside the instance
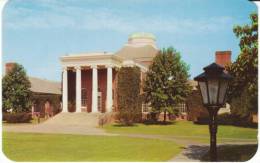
(141, 39)
(141, 47)
(142, 35)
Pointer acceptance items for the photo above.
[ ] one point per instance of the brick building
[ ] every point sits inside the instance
(42, 91)
(89, 79)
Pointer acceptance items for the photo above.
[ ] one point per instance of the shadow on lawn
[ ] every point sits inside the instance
(124, 125)
(225, 152)
(146, 123)
(159, 122)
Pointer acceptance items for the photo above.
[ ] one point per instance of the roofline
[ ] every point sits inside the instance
(47, 80)
(140, 46)
(76, 57)
(45, 93)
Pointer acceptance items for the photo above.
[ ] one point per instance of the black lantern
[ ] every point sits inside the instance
(213, 84)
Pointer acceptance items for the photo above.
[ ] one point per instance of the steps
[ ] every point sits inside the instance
(65, 123)
(75, 119)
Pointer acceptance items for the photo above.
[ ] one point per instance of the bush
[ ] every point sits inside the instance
(228, 119)
(202, 120)
(225, 119)
(243, 121)
(152, 116)
(4, 116)
(106, 118)
(222, 119)
(17, 117)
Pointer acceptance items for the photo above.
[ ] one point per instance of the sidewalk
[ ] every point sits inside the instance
(196, 153)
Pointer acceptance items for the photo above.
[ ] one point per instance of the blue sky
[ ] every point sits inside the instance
(37, 32)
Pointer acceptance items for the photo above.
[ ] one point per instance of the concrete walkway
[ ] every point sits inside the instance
(195, 152)
(191, 153)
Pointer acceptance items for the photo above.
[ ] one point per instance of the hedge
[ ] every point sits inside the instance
(17, 117)
(228, 119)
(128, 95)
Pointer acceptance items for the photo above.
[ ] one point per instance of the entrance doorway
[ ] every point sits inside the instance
(84, 99)
(100, 101)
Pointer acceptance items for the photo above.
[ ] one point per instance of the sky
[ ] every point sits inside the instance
(36, 33)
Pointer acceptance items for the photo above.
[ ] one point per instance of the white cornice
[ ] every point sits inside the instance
(89, 60)
(100, 59)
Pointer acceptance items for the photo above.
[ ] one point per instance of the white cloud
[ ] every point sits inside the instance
(56, 14)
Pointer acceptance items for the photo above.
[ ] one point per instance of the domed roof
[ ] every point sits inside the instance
(141, 39)
(140, 47)
(142, 35)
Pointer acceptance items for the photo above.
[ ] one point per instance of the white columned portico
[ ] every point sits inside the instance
(94, 88)
(109, 101)
(78, 89)
(65, 90)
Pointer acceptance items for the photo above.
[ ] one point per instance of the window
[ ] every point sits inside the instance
(181, 107)
(145, 107)
(84, 97)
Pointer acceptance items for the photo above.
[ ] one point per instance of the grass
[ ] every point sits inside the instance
(185, 129)
(64, 147)
(61, 147)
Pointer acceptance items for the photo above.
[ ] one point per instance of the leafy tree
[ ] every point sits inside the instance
(128, 95)
(166, 82)
(16, 90)
(243, 89)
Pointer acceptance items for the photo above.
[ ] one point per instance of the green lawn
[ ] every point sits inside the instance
(184, 128)
(61, 147)
(64, 147)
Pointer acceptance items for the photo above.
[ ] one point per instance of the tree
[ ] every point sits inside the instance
(166, 83)
(243, 89)
(128, 95)
(16, 90)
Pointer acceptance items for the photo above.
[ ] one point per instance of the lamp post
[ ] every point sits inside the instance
(213, 84)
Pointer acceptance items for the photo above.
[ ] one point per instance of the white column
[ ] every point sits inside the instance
(94, 89)
(65, 90)
(78, 89)
(109, 100)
